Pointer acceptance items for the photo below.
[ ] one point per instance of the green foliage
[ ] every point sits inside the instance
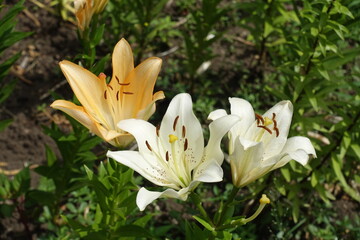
(8, 37)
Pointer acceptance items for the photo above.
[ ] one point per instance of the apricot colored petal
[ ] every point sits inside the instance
(122, 61)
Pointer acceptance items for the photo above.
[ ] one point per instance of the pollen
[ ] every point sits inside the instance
(172, 138)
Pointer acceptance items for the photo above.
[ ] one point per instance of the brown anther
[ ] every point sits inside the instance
(124, 84)
(183, 131)
(175, 122)
(117, 95)
(276, 131)
(110, 87)
(259, 117)
(275, 123)
(148, 145)
(157, 130)
(185, 144)
(105, 94)
(117, 79)
(266, 128)
(167, 156)
(130, 93)
(274, 116)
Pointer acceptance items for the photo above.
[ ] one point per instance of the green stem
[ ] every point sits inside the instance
(195, 199)
(230, 200)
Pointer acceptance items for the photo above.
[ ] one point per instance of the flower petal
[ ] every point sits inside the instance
(297, 148)
(122, 62)
(242, 161)
(89, 89)
(218, 129)
(217, 114)
(146, 167)
(145, 197)
(284, 112)
(142, 81)
(210, 171)
(150, 109)
(180, 116)
(144, 133)
(79, 114)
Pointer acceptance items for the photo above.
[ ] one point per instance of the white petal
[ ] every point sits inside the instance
(243, 109)
(284, 112)
(243, 161)
(181, 107)
(297, 148)
(148, 167)
(218, 129)
(143, 132)
(209, 172)
(145, 197)
(217, 114)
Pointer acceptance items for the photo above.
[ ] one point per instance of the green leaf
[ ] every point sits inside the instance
(132, 231)
(286, 173)
(204, 223)
(50, 156)
(4, 124)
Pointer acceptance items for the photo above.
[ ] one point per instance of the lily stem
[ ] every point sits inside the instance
(195, 199)
(222, 209)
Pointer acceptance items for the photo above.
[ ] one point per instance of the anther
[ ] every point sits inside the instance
(276, 131)
(157, 130)
(130, 93)
(117, 79)
(124, 84)
(183, 131)
(117, 95)
(274, 116)
(175, 122)
(266, 128)
(105, 94)
(110, 87)
(185, 144)
(167, 156)
(148, 145)
(259, 117)
(275, 123)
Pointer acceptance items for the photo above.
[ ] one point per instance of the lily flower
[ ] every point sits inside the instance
(129, 94)
(85, 9)
(173, 155)
(259, 143)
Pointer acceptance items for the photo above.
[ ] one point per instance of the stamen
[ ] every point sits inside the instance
(117, 95)
(259, 117)
(183, 131)
(266, 128)
(275, 123)
(157, 130)
(185, 144)
(167, 156)
(276, 131)
(117, 79)
(109, 86)
(130, 93)
(274, 116)
(175, 122)
(124, 84)
(148, 145)
(105, 94)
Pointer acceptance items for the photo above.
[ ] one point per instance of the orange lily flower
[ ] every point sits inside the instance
(128, 95)
(85, 9)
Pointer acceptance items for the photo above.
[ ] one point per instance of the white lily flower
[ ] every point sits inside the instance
(173, 155)
(259, 144)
